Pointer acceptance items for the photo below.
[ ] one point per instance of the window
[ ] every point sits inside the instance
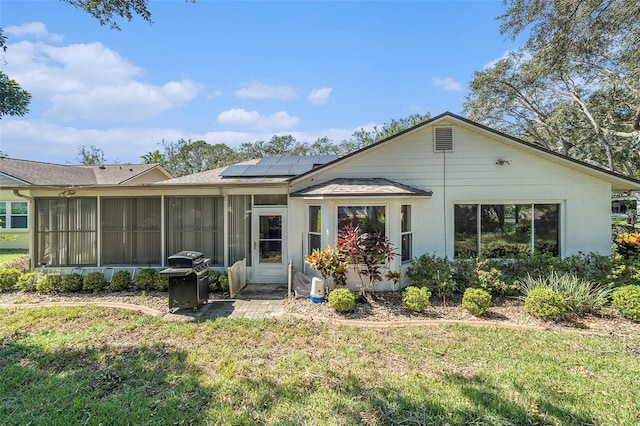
(14, 215)
(406, 244)
(315, 229)
(131, 231)
(270, 199)
(66, 231)
(196, 223)
(367, 218)
(506, 230)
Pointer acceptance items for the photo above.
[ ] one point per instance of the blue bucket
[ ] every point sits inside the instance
(316, 299)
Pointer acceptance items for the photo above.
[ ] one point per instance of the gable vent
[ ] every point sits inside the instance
(443, 139)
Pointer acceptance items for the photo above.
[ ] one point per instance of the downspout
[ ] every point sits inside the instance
(31, 200)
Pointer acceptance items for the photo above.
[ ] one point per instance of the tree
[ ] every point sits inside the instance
(186, 157)
(575, 86)
(154, 157)
(14, 100)
(106, 11)
(91, 156)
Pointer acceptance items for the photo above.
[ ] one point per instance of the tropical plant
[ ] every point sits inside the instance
(579, 295)
(329, 263)
(370, 255)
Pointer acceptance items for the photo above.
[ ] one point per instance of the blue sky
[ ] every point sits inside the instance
(236, 71)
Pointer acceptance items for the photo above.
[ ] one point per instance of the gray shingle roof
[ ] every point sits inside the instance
(370, 187)
(214, 177)
(47, 174)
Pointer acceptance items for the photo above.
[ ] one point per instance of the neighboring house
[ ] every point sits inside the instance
(58, 185)
(449, 187)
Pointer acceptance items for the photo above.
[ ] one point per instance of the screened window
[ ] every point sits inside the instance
(66, 231)
(131, 231)
(239, 228)
(406, 234)
(270, 199)
(196, 223)
(315, 229)
(506, 230)
(367, 218)
(14, 215)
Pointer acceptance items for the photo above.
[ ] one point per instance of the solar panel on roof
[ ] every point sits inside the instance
(256, 170)
(267, 161)
(234, 170)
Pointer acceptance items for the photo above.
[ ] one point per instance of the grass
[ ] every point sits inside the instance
(92, 366)
(7, 255)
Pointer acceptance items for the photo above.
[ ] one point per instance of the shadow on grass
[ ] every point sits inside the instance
(102, 385)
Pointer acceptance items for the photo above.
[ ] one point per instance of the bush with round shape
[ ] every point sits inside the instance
(146, 279)
(50, 283)
(416, 299)
(626, 300)
(342, 300)
(93, 281)
(120, 280)
(162, 283)
(223, 281)
(545, 304)
(476, 300)
(29, 281)
(72, 282)
(9, 278)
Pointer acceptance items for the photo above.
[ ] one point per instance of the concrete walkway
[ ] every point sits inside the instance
(256, 301)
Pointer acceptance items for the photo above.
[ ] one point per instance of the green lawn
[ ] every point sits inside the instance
(100, 366)
(7, 255)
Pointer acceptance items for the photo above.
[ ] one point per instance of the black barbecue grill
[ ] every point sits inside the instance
(188, 273)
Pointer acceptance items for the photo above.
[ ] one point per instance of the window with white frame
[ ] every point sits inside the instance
(314, 240)
(14, 215)
(406, 234)
(367, 218)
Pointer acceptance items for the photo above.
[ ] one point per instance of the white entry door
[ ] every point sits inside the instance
(269, 245)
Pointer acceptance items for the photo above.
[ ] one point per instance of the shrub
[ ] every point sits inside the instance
(162, 283)
(72, 282)
(146, 279)
(545, 303)
(120, 280)
(488, 277)
(223, 281)
(579, 295)
(8, 278)
(626, 300)
(21, 263)
(29, 281)
(416, 298)
(628, 245)
(476, 300)
(93, 281)
(435, 273)
(342, 300)
(50, 283)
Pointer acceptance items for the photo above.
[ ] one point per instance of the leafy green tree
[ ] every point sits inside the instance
(90, 156)
(14, 100)
(107, 11)
(186, 157)
(154, 157)
(575, 86)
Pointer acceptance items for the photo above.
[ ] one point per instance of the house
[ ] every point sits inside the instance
(448, 186)
(18, 178)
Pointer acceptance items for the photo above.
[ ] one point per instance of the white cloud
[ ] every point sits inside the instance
(238, 117)
(91, 82)
(264, 91)
(448, 84)
(36, 29)
(215, 94)
(320, 96)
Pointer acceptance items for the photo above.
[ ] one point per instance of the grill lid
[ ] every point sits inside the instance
(185, 259)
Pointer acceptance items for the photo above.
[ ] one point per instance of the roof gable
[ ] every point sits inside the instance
(617, 180)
